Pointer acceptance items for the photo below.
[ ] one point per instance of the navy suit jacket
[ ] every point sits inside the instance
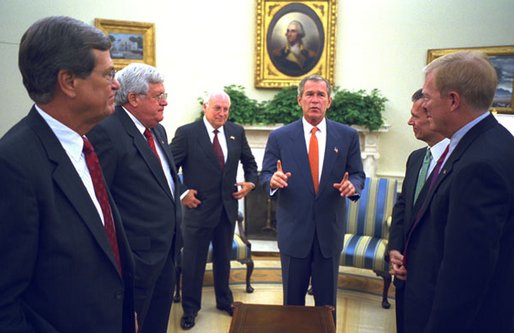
(137, 182)
(59, 273)
(193, 152)
(300, 211)
(460, 257)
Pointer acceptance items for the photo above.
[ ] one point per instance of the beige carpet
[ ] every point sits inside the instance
(358, 300)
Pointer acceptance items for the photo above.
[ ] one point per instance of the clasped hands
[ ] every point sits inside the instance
(397, 267)
(280, 178)
(191, 200)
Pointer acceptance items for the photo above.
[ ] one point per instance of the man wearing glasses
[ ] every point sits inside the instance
(140, 172)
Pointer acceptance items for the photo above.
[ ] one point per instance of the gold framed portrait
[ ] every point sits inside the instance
(131, 41)
(294, 39)
(502, 58)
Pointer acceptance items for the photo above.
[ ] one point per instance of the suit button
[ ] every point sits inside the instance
(118, 295)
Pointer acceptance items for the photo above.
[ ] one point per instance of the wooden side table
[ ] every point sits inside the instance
(258, 318)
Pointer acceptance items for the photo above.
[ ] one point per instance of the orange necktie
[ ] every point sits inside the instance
(313, 158)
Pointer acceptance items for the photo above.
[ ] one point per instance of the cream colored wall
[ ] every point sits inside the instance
(206, 44)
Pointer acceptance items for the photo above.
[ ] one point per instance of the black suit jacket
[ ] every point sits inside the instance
(192, 150)
(460, 265)
(141, 191)
(58, 273)
(402, 211)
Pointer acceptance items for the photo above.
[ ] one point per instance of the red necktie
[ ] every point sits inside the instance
(149, 137)
(313, 158)
(217, 150)
(97, 177)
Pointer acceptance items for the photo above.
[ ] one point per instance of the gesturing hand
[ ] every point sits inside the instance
(279, 178)
(345, 186)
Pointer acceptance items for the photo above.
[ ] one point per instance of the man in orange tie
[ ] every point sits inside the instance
(312, 165)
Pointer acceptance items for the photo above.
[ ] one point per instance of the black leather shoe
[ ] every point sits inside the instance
(228, 309)
(187, 322)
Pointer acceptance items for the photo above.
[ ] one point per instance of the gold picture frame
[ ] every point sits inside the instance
(131, 41)
(277, 64)
(502, 58)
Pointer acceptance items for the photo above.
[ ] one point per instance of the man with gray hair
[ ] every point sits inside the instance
(140, 172)
(458, 252)
(209, 152)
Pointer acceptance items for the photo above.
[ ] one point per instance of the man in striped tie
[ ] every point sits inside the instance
(420, 164)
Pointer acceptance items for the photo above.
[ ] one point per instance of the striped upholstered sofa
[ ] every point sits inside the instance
(241, 251)
(368, 230)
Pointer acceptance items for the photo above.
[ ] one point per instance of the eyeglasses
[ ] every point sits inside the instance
(161, 97)
(109, 74)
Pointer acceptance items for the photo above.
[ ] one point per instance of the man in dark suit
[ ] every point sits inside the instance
(458, 254)
(67, 266)
(420, 164)
(140, 172)
(312, 174)
(209, 151)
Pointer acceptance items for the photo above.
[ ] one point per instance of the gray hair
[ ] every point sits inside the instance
(299, 27)
(215, 93)
(135, 79)
(317, 78)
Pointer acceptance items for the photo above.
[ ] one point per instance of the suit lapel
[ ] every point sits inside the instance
(423, 203)
(163, 142)
(69, 182)
(142, 146)
(204, 141)
(331, 153)
(299, 150)
(231, 139)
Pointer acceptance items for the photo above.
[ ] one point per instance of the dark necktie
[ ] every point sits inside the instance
(217, 150)
(314, 158)
(97, 177)
(433, 179)
(149, 137)
(423, 172)
(437, 169)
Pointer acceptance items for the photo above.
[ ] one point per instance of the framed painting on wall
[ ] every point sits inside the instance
(502, 58)
(294, 39)
(131, 41)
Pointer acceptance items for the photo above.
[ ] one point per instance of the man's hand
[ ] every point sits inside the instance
(345, 186)
(397, 268)
(279, 178)
(246, 187)
(190, 200)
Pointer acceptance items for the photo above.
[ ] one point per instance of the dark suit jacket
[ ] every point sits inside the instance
(402, 211)
(460, 265)
(59, 273)
(192, 150)
(140, 189)
(300, 212)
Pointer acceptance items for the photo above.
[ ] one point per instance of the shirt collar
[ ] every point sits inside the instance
(322, 126)
(140, 127)
(438, 149)
(71, 141)
(457, 136)
(210, 129)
